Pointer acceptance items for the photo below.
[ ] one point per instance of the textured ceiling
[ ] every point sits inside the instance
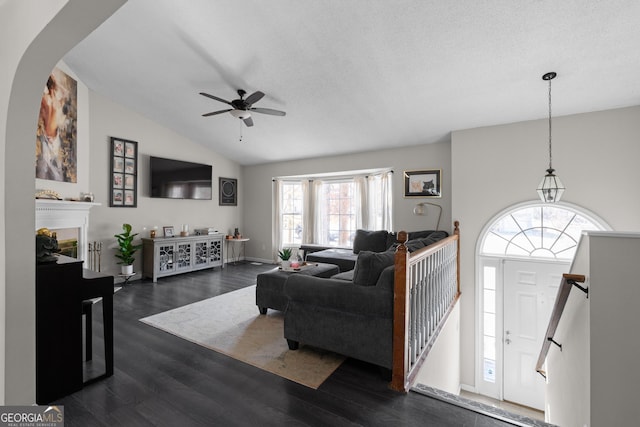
(359, 75)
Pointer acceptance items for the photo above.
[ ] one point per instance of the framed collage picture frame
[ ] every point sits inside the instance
(423, 183)
(124, 173)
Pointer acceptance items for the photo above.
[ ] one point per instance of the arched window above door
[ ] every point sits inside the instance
(538, 231)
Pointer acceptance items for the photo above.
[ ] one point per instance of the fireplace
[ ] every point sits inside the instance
(66, 219)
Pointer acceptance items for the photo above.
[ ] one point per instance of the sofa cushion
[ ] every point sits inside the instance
(345, 259)
(413, 235)
(369, 265)
(414, 245)
(420, 242)
(345, 275)
(374, 241)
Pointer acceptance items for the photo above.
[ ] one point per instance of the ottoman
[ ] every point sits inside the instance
(270, 285)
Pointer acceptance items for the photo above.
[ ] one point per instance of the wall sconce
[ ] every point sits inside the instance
(420, 210)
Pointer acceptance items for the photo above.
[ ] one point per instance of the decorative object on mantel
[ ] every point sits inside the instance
(46, 246)
(184, 232)
(551, 188)
(420, 211)
(126, 249)
(87, 197)
(48, 194)
(423, 183)
(124, 173)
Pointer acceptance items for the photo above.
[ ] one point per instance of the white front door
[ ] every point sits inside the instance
(530, 289)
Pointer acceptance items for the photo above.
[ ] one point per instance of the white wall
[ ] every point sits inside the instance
(109, 119)
(593, 381)
(595, 154)
(568, 385)
(614, 345)
(258, 185)
(35, 35)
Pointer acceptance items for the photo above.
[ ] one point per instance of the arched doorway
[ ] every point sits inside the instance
(41, 33)
(521, 255)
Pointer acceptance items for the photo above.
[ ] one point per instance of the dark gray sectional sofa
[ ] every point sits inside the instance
(365, 240)
(350, 313)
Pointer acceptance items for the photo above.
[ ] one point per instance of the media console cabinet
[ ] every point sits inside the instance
(166, 256)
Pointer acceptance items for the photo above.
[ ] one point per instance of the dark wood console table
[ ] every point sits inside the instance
(61, 287)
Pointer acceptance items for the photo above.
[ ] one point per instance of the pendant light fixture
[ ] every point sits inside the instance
(550, 188)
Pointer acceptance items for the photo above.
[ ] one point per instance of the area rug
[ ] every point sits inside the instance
(230, 324)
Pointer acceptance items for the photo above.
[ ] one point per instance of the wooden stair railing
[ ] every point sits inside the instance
(568, 282)
(426, 288)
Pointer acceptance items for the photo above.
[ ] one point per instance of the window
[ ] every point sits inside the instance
(489, 324)
(328, 210)
(340, 210)
(540, 231)
(291, 210)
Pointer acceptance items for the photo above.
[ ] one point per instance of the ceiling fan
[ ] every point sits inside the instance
(242, 108)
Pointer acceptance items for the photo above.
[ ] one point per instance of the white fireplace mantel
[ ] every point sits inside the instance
(56, 214)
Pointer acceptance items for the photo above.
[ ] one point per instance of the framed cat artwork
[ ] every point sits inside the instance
(423, 183)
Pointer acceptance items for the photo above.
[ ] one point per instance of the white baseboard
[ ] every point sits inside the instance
(250, 259)
(262, 260)
(469, 388)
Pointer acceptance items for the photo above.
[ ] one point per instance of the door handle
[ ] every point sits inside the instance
(507, 341)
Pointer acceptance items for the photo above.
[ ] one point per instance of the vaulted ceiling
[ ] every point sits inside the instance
(359, 75)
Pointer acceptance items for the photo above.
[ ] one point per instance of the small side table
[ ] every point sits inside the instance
(126, 278)
(236, 245)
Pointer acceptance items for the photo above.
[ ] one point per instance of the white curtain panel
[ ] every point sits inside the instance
(386, 183)
(276, 231)
(308, 211)
(360, 202)
(320, 227)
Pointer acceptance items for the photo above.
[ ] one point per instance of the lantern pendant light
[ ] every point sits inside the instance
(550, 188)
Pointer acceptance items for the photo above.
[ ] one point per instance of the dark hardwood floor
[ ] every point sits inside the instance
(162, 380)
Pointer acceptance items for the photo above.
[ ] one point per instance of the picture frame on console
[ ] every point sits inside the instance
(168, 231)
(228, 191)
(423, 183)
(124, 173)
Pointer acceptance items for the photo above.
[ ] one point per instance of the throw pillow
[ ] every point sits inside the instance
(369, 265)
(374, 241)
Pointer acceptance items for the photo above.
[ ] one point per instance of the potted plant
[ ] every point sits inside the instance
(285, 255)
(126, 249)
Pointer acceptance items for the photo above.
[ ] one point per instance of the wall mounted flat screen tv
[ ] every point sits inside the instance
(177, 179)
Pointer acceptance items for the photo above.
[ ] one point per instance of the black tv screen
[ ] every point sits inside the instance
(176, 179)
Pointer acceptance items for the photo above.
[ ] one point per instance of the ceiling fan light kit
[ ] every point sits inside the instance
(240, 114)
(551, 188)
(242, 108)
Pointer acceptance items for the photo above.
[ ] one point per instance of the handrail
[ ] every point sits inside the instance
(432, 274)
(568, 282)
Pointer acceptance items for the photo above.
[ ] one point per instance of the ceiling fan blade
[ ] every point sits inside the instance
(248, 121)
(213, 113)
(215, 97)
(254, 97)
(269, 111)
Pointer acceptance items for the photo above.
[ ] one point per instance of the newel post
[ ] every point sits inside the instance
(400, 316)
(456, 232)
